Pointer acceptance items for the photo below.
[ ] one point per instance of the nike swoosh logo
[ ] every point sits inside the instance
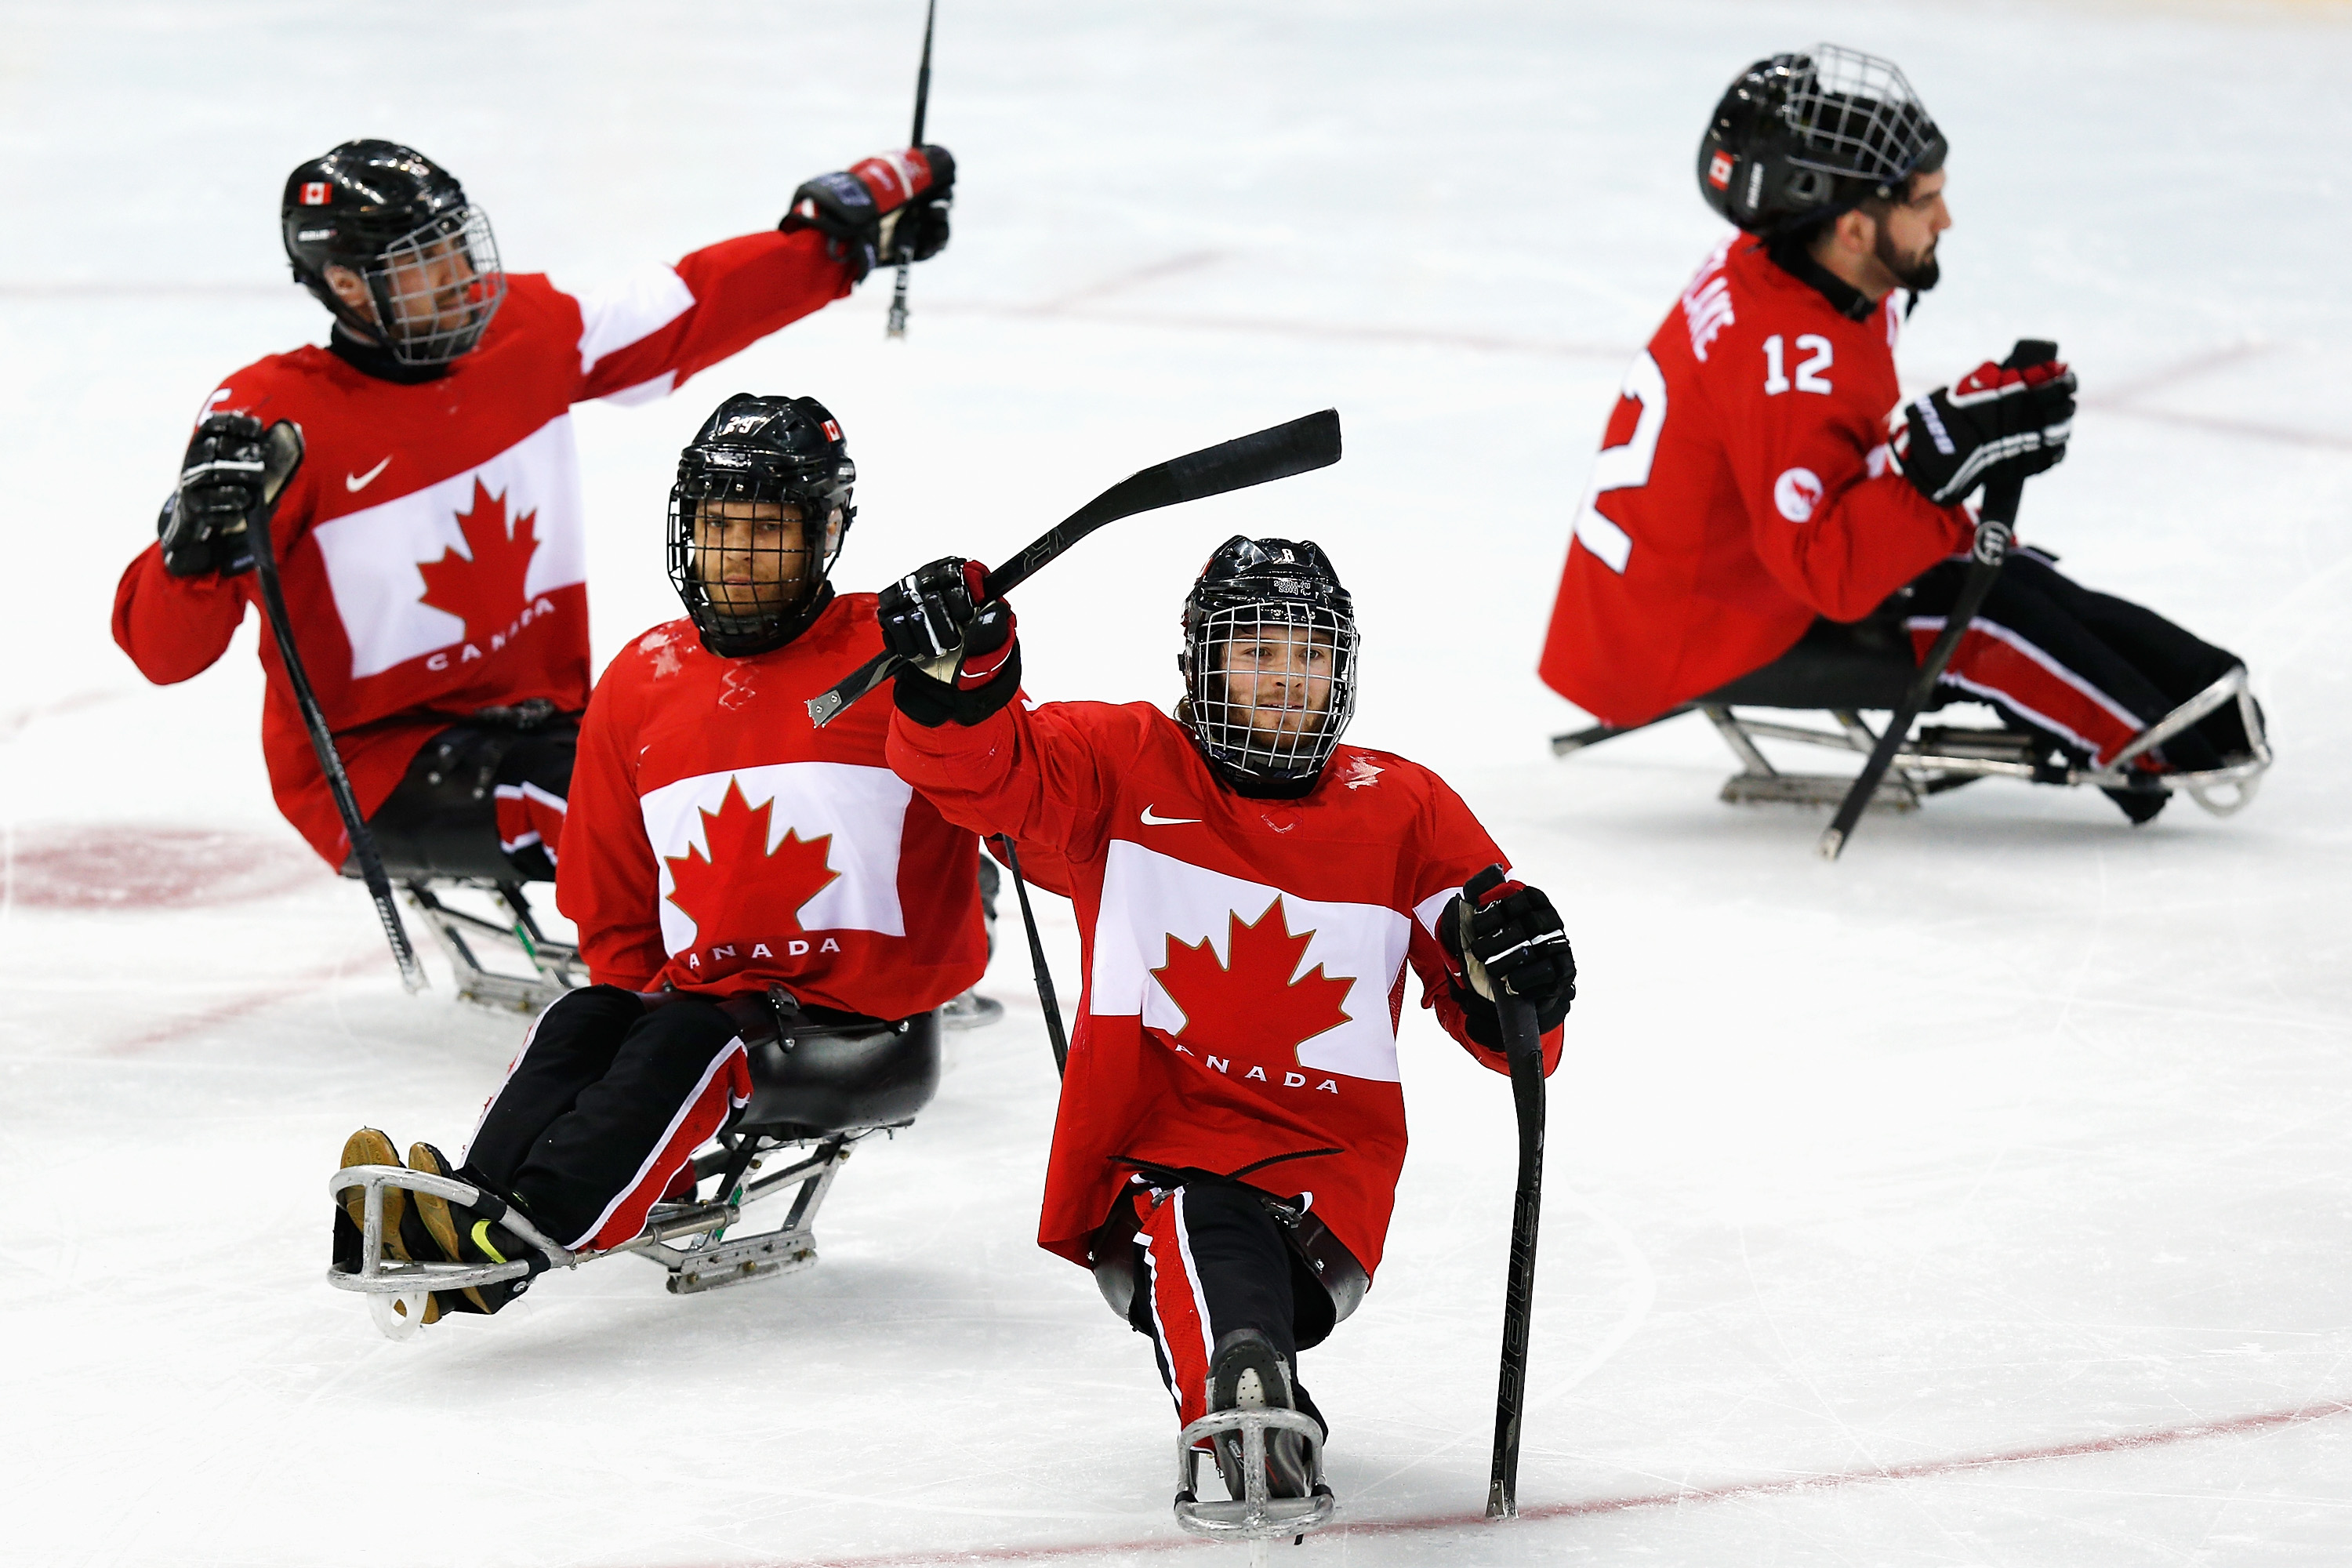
(358, 482)
(1151, 821)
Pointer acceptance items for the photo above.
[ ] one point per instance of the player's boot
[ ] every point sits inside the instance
(404, 1236)
(1248, 1374)
(462, 1235)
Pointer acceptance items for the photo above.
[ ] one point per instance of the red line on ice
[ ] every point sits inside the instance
(227, 1012)
(2120, 1441)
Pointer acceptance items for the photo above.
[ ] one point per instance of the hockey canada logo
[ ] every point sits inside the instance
(1718, 170)
(1255, 1006)
(485, 589)
(762, 890)
(1797, 493)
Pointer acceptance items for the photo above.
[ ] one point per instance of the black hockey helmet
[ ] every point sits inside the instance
(1803, 137)
(787, 451)
(403, 224)
(1273, 605)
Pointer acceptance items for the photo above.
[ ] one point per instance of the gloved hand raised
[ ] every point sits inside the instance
(2018, 412)
(886, 210)
(965, 659)
(1505, 934)
(205, 522)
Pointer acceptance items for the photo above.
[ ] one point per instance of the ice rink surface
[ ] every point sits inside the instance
(1981, 1200)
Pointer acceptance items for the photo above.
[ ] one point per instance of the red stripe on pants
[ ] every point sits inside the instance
(726, 1086)
(1177, 1309)
(1989, 663)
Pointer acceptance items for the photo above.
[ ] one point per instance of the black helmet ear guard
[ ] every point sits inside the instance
(751, 578)
(1271, 610)
(1801, 137)
(401, 223)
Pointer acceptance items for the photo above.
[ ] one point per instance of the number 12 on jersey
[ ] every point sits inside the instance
(1625, 467)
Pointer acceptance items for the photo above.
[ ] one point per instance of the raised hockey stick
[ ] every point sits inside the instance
(1996, 525)
(1274, 453)
(1046, 998)
(284, 456)
(898, 327)
(1523, 1047)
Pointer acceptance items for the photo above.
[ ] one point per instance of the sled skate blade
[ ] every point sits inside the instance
(555, 967)
(970, 1011)
(740, 1262)
(1256, 1516)
(1814, 789)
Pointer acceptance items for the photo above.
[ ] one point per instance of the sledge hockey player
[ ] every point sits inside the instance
(1753, 490)
(1249, 893)
(734, 870)
(431, 545)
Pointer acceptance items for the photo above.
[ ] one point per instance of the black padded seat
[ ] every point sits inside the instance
(1866, 664)
(838, 1072)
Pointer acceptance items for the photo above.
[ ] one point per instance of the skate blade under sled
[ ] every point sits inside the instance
(1257, 1516)
(1945, 758)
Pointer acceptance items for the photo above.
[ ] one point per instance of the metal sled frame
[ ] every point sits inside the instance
(1942, 758)
(396, 1290)
(555, 965)
(1255, 1516)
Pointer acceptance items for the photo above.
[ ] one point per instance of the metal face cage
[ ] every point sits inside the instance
(436, 287)
(747, 574)
(1271, 685)
(1854, 114)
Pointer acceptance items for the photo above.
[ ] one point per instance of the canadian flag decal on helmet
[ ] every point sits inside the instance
(1718, 170)
(315, 193)
(832, 431)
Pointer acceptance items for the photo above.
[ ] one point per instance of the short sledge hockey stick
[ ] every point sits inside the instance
(284, 457)
(1300, 446)
(898, 327)
(1523, 1046)
(1996, 525)
(1046, 999)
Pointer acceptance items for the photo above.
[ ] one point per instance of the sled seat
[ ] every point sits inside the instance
(823, 1072)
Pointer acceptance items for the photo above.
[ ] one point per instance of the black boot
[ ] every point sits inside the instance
(470, 1235)
(1248, 1374)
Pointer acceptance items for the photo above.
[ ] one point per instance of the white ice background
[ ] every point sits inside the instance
(2018, 1131)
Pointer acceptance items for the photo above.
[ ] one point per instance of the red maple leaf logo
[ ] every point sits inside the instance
(486, 592)
(1251, 1005)
(742, 878)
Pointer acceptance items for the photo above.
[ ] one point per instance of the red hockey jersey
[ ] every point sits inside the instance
(1245, 959)
(719, 842)
(431, 545)
(1744, 486)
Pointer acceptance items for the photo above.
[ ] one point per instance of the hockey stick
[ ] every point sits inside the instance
(284, 455)
(1523, 1045)
(1996, 524)
(898, 327)
(1276, 453)
(1046, 999)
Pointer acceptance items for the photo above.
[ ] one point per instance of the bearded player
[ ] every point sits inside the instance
(430, 545)
(1250, 893)
(721, 847)
(1750, 493)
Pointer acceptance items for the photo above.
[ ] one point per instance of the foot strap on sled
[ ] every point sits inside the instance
(1257, 1515)
(396, 1290)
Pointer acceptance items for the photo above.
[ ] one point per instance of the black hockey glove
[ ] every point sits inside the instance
(880, 212)
(204, 524)
(963, 658)
(1504, 932)
(2018, 412)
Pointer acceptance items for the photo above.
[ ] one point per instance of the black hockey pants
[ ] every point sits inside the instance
(484, 798)
(2086, 670)
(1209, 1258)
(604, 1106)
